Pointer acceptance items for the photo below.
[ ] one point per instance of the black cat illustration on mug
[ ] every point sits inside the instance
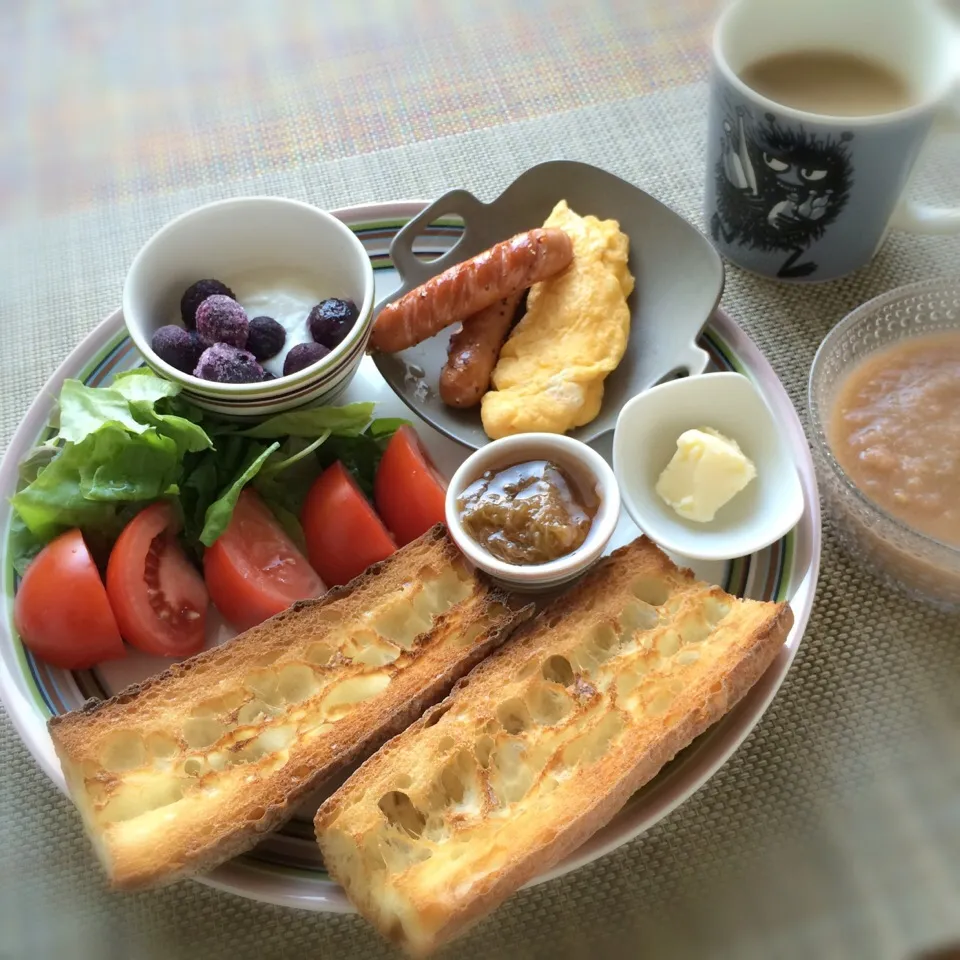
(778, 188)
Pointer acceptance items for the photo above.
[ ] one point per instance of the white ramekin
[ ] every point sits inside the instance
(588, 469)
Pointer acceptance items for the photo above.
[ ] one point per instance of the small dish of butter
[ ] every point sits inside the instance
(704, 469)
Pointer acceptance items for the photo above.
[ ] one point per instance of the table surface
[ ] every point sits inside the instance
(835, 830)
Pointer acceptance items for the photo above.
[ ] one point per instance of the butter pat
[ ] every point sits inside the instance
(707, 471)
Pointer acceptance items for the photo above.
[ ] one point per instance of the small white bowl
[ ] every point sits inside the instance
(229, 240)
(589, 471)
(645, 440)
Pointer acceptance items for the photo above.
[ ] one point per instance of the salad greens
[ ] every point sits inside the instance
(121, 447)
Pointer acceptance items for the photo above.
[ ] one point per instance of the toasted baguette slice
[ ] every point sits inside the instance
(181, 772)
(542, 744)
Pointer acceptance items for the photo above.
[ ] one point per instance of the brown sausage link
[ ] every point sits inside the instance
(474, 351)
(469, 287)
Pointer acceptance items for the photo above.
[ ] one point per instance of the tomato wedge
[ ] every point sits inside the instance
(344, 534)
(254, 570)
(61, 610)
(408, 491)
(157, 596)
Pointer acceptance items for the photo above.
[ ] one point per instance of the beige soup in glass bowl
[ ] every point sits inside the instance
(885, 422)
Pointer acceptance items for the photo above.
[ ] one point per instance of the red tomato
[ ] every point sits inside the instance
(344, 534)
(254, 570)
(158, 597)
(408, 491)
(61, 610)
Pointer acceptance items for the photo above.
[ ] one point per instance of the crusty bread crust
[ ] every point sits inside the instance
(178, 773)
(458, 861)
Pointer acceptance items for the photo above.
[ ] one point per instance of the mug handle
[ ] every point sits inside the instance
(915, 217)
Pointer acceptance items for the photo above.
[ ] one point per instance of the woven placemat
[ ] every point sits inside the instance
(833, 832)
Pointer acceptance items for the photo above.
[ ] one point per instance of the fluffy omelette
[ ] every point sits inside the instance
(551, 369)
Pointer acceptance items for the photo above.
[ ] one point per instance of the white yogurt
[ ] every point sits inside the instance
(287, 297)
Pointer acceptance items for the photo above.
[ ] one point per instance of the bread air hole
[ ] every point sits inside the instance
(510, 774)
(593, 744)
(194, 767)
(514, 715)
(398, 623)
(715, 610)
(547, 704)
(482, 750)
(650, 590)
(401, 812)
(162, 746)
(599, 645)
(435, 714)
(341, 696)
(265, 685)
(470, 635)
(668, 643)
(399, 852)
(629, 679)
(268, 743)
(220, 706)
(201, 732)
(368, 647)
(443, 591)
(694, 630)
(319, 654)
(637, 616)
(135, 799)
(255, 711)
(297, 682)
(557, 669)
(123, 750)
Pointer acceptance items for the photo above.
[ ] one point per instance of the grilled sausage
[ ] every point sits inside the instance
(473, 353)
(469, 287)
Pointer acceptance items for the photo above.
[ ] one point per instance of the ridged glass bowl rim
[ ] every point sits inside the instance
(824, 351)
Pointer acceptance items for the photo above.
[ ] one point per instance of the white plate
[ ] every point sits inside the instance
(286, 868)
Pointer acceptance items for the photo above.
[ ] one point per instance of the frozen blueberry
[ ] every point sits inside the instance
(227, 364)
(302, 355)
(330, 321)
(265, 338)
(196, 294)
(222, 320)
(180, 348)
(267, 375)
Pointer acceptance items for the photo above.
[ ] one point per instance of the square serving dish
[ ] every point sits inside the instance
(679, 279)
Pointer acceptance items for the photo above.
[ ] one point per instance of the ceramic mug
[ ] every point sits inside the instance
(804, 196)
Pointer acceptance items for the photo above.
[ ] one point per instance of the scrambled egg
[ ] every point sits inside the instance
(551, 369)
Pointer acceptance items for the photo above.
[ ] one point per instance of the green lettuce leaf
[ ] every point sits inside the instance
(219, 512)
(361, 454)
(143, 386)
(55, 501)
(118, 467)
(349, 420)
(85, 410)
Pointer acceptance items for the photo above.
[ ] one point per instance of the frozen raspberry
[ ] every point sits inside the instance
(227, 364)
(265, 338)
(196, 294)
(180, 348)
(331, 320)
(302, 355)
(222, 320)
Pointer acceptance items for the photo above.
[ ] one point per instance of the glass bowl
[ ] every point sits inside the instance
(902, 557)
